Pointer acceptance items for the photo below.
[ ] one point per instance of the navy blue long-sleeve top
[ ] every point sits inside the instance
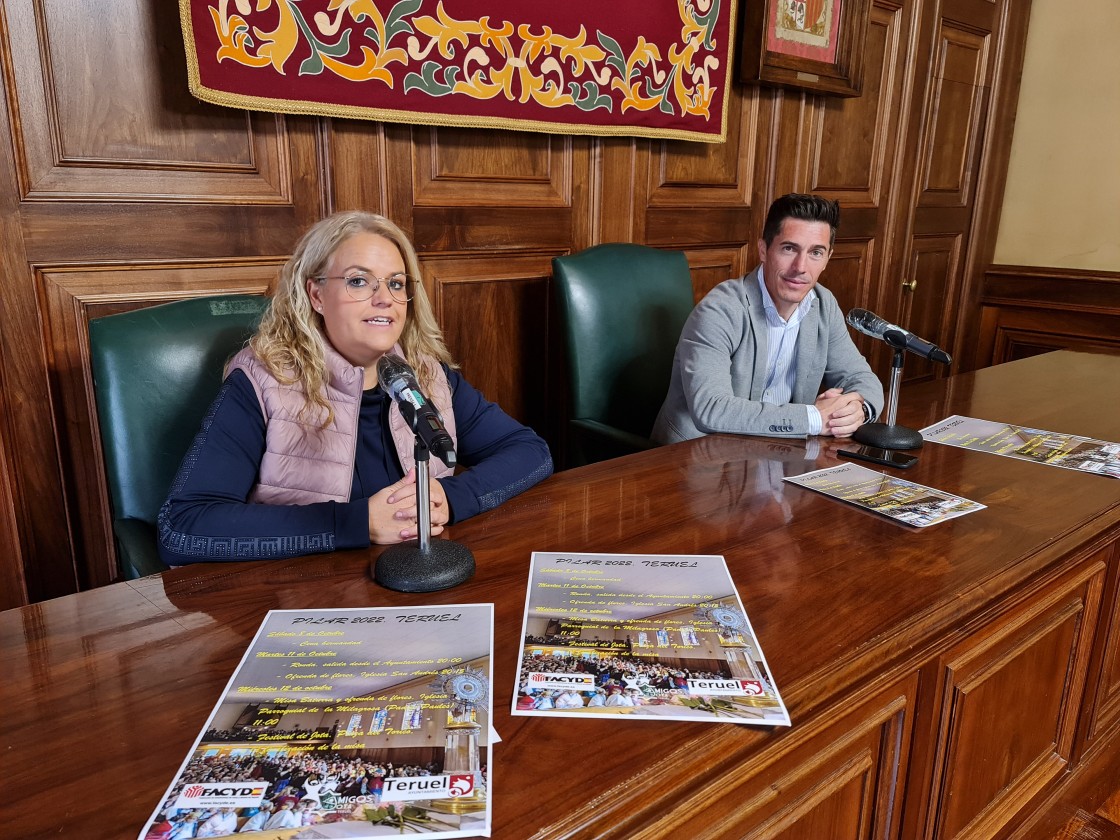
(207, 515)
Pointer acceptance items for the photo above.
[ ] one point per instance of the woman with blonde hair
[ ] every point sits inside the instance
(302, 451)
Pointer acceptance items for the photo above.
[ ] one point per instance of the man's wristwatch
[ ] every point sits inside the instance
(867, 413)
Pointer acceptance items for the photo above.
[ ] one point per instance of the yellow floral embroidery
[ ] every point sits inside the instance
(439, 55)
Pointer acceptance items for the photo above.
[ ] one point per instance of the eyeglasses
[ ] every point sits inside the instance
(364, 286)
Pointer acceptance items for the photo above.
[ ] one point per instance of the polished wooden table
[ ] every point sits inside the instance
(958, 680)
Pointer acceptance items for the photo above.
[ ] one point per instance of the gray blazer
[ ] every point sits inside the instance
(719, 370)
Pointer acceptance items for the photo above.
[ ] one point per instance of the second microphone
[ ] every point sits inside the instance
(399, 381)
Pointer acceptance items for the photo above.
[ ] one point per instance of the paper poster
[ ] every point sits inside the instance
(1059, 450)
(904, 501)
(650, 637)
(346, 723)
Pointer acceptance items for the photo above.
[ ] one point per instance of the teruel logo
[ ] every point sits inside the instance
(750, 688)
(581, 682)
(222, 795)
(428, 787)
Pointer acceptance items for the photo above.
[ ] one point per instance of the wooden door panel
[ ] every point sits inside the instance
(927, 309)
(958, 99)
(1008, 709)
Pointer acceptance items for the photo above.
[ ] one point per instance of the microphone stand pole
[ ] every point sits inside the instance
(888, 435)
(424, 565)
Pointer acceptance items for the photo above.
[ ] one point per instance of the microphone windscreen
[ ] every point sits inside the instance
(856, 317)
(390, 367)
(867, 323)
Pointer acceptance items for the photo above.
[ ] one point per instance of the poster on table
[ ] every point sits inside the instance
(1072, 452)
(896, 498)
(650, 637)
(346, 723)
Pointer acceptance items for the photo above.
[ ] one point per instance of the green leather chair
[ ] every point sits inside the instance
(155, 373)
(622, 308)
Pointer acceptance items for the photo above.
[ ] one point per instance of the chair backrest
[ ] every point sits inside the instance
(622, 308)
(155, 373)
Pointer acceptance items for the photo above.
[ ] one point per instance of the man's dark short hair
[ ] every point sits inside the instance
(808, 208)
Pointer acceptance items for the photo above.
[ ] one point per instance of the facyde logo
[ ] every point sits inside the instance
(582, 682)
(222, 795)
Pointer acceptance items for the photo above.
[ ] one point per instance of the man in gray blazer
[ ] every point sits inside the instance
(770, 353)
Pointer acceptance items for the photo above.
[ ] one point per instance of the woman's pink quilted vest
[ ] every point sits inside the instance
(304, 463)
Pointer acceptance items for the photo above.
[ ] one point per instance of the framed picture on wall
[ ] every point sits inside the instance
(814, 45)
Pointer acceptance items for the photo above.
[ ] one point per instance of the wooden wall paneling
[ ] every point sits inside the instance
(13, 524)
(142, 135)
(463, 166)
(13, 586)
(1029, 310)
(849, 277)
(1018, 334)
(1009, 707)
(855, 138)
(494, 311)
(790, 152)
(72, 296)
(711, 266)
(705, 192)
(112, 162)
(356, 167)
(1103, 718)
(44, 559)
(483, 190)
(618, 193)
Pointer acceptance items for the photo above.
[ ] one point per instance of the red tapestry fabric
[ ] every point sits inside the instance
(651, 69)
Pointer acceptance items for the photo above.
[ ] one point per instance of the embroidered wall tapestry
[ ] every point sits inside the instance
(649, 69)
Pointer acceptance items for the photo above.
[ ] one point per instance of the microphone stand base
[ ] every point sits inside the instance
(886, 436)
(406, 567)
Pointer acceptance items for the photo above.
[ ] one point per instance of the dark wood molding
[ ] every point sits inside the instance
(1026, 310)
(1076, 290)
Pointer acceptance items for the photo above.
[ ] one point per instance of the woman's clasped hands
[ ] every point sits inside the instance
(393, 515)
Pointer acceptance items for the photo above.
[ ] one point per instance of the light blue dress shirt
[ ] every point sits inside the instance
(781, 353)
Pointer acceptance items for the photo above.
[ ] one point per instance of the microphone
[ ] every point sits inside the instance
(871, 324)
(399, 380)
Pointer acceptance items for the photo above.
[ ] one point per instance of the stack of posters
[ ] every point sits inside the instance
(896, 498)
(1054, 448)
(651, 637)
(326, 730)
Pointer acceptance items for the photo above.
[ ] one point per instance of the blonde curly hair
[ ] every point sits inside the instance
(290, 341)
